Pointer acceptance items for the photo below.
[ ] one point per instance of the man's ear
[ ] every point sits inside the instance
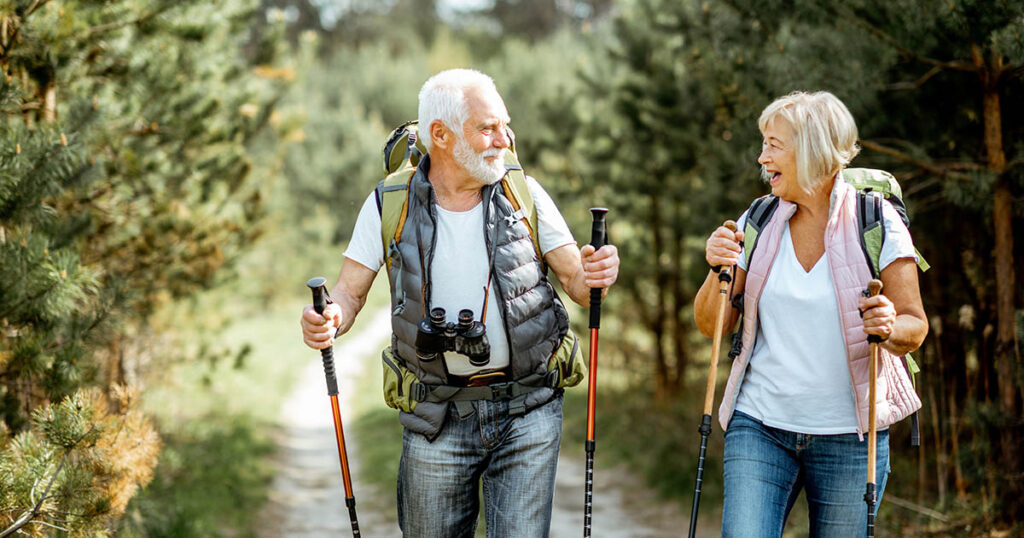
(440, 135)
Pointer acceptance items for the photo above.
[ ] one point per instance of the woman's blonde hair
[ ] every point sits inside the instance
(824, 134)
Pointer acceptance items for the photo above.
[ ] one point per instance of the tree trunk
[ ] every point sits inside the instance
(679, 302)
(1002, 218)
(661, 392)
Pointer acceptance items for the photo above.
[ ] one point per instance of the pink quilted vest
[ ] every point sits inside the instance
(895, 395)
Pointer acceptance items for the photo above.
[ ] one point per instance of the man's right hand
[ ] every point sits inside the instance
(318, 331)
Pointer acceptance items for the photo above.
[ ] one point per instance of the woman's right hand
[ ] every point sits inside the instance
(318, 331)
(723, 247)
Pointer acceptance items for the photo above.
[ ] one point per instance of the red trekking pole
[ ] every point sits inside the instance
(598, 237)
(320, 300)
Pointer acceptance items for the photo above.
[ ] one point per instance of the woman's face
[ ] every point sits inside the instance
(778, 157)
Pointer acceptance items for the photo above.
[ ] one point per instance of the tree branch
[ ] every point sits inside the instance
(907, 53)
(907, 158)
(118, 25)
(28, 516)
(35, 5)
(918, 83)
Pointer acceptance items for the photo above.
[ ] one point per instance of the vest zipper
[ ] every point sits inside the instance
(490, 210)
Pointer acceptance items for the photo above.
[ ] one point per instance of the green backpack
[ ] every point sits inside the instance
(872, 187)
(402, 153)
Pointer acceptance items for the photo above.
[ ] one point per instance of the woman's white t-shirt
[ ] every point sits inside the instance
(460, 268)
(798, 379)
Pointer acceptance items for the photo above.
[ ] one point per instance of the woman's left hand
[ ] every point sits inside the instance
(879, 315)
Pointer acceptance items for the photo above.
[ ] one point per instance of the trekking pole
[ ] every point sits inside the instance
(724, 278)
(320, 300)
(597, 239)
(874, 288)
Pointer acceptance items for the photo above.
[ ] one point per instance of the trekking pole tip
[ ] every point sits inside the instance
(874, 287)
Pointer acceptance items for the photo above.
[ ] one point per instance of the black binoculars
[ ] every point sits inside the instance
(468, 337)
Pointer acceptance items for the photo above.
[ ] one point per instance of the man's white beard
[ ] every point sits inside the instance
(477, 165)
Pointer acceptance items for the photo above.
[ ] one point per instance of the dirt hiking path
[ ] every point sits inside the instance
(307, 495)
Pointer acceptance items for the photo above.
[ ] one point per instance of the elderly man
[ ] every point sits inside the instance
(465, 250)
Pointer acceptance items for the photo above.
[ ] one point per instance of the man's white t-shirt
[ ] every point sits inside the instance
(798, 379)
(460, 268)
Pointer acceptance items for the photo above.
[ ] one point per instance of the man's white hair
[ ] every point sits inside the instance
(443, 97)
(824, 134)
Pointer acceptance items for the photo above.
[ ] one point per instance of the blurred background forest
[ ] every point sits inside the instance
(171, 172)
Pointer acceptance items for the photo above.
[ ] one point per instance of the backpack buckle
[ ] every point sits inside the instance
(502, 391)
(518, 215)
(552, 378)
(418, 391)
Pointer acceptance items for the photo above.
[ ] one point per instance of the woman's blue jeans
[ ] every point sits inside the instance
(514, 456)
(765, 469)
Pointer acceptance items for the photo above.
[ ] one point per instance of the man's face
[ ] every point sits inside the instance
(479, 148)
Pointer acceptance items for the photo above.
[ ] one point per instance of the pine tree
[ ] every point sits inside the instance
(124, 183)
(935, 88)
(678, 91)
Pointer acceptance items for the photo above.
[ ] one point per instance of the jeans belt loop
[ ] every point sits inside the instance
(517, 406)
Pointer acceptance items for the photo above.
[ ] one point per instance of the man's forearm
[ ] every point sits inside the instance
(579, 292)
(350, 306)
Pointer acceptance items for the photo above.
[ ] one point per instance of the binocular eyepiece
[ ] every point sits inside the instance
(467, 337)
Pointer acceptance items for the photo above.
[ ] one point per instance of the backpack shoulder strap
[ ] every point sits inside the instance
(872, 229)
(518, 193)
(392, 195)
(759, 213)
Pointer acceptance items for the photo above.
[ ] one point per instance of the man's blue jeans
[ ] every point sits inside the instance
(514, 455)
(765, 469)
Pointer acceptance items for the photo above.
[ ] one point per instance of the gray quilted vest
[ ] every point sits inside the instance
(535, 319)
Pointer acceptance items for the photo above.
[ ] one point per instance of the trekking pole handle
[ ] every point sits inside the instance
(874, 288)
(320, 298)
(724, 272)
(598, 239)
(320, 301)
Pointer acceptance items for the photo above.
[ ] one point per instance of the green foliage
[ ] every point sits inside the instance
(670, 108)
(78, 467)
(211, 477)
(125, 181)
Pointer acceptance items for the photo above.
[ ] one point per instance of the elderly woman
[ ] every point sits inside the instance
(795, 408)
